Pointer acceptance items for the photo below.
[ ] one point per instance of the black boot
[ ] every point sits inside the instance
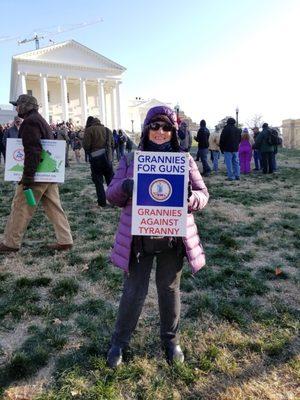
(174, 353)
(114, 356)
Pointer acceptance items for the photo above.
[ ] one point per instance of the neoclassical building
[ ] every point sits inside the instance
(70, 81)
(291, 133)
(137, 110)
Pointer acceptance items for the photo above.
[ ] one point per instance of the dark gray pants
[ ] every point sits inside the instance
(168, 273)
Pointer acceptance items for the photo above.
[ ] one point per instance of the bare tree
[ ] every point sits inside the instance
(255, 121)
(221, 123)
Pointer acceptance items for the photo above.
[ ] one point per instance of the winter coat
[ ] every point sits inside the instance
(129, 144)
(214, 141)
(185, 139)
(121, 140)
(116, 139)
(230, 137)
(95, 138)
(261, 142)
(62, 134)
(77, 144)
(202, 138)
(33, 128)
(10, 133)
(245, 147)
(122, 248)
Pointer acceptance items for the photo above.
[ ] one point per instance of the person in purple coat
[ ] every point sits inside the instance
(245, 152)
(135, 254)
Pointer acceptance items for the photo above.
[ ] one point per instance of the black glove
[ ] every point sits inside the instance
(190, 192)
(26, 181)
(127, 187)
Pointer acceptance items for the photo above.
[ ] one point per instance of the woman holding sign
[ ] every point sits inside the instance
(135, 254)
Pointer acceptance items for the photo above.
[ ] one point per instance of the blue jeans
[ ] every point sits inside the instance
(215, 159)
(257, 159)
(232, 165)
(202, 153)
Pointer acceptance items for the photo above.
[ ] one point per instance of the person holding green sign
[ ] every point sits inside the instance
(33, 129)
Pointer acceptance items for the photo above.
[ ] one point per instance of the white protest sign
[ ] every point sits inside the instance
(159, 202)
(50, 169)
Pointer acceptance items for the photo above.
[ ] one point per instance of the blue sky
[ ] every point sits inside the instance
(209, 56)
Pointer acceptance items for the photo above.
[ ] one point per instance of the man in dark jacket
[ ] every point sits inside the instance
(98, 142)
(256, 152)
(229, 144)
(33, 129)
(262, 143)
(203, 143)
(12, 132)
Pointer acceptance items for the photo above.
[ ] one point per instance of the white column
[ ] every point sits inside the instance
(83, 101)
(118, 105)
(102, 103)
(22, 83)
(44, 96)
(113, 108)
(64, 98)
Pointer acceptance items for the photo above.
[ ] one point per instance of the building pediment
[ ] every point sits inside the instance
(70, 53)
(146, 104)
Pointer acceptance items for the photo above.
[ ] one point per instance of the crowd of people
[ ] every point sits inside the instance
(238, 146)
(73, 136)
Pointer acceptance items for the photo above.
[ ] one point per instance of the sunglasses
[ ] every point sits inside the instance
(155, 126)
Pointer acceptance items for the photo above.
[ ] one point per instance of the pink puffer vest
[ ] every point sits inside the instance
(122, 247)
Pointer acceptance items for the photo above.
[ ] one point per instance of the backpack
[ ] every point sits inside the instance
(272, 138)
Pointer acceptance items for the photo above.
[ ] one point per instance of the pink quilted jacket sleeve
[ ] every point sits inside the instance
(200, 195)
(114, 192)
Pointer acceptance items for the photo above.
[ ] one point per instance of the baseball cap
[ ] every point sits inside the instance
(25, 98)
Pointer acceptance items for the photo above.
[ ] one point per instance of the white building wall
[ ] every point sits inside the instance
(92, 100)
(34, 85)
(7, 116)
(55, 107)
(74, 101)
(108, 110)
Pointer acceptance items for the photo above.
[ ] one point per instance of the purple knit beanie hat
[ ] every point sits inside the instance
(161, 113)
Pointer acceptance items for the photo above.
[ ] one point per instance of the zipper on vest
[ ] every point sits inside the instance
(138, 257)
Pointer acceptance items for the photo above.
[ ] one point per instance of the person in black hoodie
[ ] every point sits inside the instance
(203, 144)
(229, 145)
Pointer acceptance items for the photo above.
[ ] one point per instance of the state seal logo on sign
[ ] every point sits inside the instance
(160, 190)
(18, 155)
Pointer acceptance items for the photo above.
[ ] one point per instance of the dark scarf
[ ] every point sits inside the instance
(151, 146)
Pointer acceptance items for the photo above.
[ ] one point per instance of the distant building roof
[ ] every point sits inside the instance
(6, 107)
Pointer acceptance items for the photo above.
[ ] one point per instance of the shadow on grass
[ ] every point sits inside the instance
(279, 354)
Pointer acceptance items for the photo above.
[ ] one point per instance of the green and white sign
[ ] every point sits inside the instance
(50, 169)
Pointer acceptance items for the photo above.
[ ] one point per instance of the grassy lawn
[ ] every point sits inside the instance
(240, 314)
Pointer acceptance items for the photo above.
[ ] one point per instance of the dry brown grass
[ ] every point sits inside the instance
(225, 358)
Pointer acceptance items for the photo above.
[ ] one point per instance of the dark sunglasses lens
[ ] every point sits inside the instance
(167, 128)
(155, 126)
